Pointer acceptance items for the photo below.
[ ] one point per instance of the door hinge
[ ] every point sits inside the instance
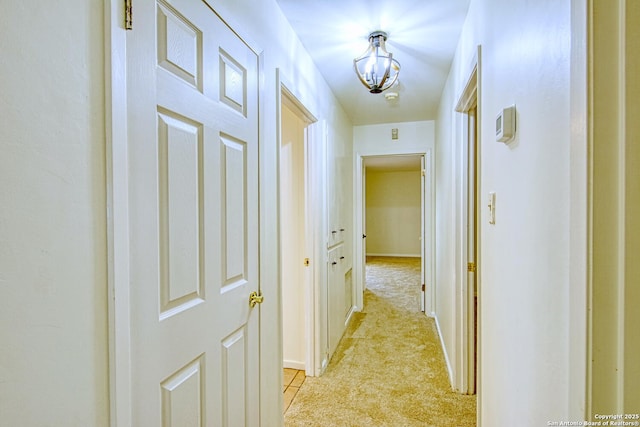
(423, 287)
(424, 172)
(255, 298)
(128, 15)
(307, 262)
(471, 267)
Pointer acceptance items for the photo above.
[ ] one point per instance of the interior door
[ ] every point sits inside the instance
(193, 206)
(472, 214)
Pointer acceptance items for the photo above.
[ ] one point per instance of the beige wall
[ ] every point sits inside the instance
(53, 247)
(393, 213)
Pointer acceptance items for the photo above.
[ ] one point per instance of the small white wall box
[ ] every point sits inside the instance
(506, 124)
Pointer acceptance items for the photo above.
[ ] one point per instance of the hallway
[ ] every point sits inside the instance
(388, 369)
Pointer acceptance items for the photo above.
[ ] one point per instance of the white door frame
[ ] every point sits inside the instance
(427, 235)
(116, 138)
(428, 238)
(359, 232)
(467, 342)
(285, 95)
(118, 216)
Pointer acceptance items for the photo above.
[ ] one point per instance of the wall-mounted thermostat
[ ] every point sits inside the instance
(506, 124)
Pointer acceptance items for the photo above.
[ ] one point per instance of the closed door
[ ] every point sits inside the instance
(193, 206)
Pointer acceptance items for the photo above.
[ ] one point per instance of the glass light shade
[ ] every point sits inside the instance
(376, 68)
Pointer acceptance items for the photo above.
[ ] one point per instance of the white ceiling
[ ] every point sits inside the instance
(423, 35)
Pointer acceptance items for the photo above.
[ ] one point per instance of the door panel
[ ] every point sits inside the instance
(182, 397)
(193, 161)
(180, 227)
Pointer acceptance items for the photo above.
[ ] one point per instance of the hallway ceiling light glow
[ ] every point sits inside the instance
(376, 68)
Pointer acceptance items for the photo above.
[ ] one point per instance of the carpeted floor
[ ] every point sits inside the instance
(388, 369)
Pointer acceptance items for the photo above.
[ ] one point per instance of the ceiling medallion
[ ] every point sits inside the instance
(376, 68)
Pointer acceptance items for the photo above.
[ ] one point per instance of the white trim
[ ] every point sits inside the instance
(467, 377)
(317, 134)
(397, 255)
(269, 265)
(578, 215)
(444, 351)
(358, 274)
(429, 235)
(117, 215)
(478, 61)
(347, 319)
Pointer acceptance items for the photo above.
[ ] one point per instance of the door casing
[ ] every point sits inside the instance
(428, 243)
(467, 378)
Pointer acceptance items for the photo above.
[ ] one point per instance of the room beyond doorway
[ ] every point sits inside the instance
(393, 210)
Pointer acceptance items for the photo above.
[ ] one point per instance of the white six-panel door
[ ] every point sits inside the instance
(193, 206)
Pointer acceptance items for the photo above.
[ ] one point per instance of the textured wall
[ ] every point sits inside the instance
(393, 213)
(524, 257)
(53, 259)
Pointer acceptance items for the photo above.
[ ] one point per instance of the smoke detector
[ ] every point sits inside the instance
(391, 96)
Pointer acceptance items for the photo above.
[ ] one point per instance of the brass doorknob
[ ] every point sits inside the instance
(255, 298)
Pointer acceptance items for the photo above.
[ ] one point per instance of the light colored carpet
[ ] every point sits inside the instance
(388, 369)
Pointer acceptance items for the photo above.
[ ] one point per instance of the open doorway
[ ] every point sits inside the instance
(297, 279)
(393, 212)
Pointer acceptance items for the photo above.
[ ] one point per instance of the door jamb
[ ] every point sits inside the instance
(464, 383)
(117, 180)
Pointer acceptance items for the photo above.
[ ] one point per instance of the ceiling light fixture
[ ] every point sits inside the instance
(376, 68)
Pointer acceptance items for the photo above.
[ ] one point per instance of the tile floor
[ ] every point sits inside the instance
(292, 381)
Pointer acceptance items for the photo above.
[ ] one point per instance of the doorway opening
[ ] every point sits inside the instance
(393, 212)
(296, 236)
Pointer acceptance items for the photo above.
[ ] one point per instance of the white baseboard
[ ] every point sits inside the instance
(347, 319)
(397, 255)
(444, 351)
(292, 364)
(323, 367)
